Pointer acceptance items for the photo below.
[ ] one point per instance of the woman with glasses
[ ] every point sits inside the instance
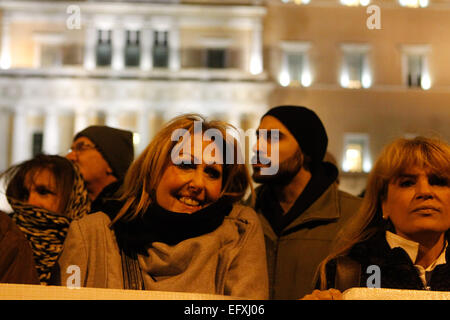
(180, 227)
(46, 193)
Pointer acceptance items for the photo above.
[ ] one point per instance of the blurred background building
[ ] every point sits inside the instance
(372, 70)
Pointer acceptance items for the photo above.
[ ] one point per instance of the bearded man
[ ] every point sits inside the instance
(300, 207)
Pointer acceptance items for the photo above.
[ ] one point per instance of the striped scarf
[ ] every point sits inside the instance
(46, 230)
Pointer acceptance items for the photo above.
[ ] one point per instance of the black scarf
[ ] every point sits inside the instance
(267, 203)
(158, 224)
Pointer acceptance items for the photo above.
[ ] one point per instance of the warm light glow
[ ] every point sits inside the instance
(366, 80)
(355, 3)
(353, 158)
(367, 165)
(425, 82)
(136, 138)
(345, 80)
(306, 79)
(414, 3)
(284, 79)
(255, 65)
(5, 63)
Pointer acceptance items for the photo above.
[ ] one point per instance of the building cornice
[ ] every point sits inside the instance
(121, 8)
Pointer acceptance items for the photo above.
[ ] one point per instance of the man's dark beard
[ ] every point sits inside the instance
(287, 170)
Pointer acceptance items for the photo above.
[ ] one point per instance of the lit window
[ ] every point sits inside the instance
(295, 67)
(414, 3)
(161, 49)
(104, 48)
(355, 2)
(356, 153)
(415, 66)
(132, 48)
(355, 72)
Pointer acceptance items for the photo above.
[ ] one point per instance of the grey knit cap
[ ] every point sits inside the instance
(115, 145)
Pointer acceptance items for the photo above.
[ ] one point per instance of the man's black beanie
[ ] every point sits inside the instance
(115, 145)
(306, 127)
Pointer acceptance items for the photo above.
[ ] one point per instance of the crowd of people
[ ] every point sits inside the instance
(184, 215)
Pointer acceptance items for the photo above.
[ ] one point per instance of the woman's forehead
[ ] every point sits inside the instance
(40, 176)
(195, 147)
(416, 170)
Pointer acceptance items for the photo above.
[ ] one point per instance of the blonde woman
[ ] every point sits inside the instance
(179, 227)
(402, 226)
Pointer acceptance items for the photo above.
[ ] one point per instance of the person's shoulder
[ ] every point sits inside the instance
(349, 197)
(7, 226)
(93, 220)
(244, 213)
(5, 222)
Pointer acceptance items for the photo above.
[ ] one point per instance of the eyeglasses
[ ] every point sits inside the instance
(81, 146)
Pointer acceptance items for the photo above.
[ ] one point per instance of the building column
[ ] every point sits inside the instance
(256, 56)
(174, 48)
(50, 143)
(21, 141)
(146, 49)
(118, 48)
(81, 121)
(90, 47)
(5, 55)
(112, 119)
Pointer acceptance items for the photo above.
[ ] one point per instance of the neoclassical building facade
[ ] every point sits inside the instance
(130, 65)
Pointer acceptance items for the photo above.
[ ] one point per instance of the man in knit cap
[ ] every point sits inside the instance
(103, 155)
(300, 206)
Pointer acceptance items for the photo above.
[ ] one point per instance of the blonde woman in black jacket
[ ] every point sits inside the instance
(402, 227)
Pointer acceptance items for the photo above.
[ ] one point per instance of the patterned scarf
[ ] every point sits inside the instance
(46, 230)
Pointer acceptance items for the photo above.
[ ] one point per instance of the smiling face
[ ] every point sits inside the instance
(42, 191)
(418, 203)
(188, 187)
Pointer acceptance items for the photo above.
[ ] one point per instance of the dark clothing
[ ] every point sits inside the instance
(16, 258)
(105, 198)
(269, 206)
(161, 225)
(296, 242)
(397, 269)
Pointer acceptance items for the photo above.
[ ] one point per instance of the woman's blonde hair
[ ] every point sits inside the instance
(143, 176)
(395, 159)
